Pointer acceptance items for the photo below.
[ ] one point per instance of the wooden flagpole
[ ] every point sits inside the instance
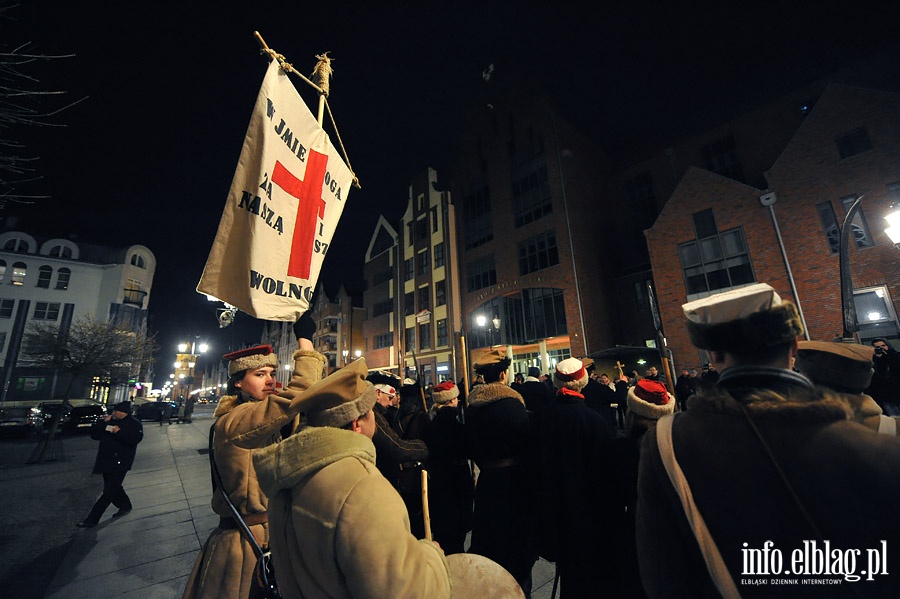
(323, 73)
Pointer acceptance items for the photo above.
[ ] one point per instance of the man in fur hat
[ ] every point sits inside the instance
(119, 434)
(339, 528)
(498, 436)
(771, 464)
(574, 444)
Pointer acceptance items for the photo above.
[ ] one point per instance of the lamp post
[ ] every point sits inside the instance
(851, 322)
(186, 360)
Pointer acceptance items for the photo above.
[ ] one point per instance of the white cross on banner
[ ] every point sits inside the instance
(288, 193)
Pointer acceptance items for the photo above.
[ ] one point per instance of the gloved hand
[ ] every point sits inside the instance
(304, 327)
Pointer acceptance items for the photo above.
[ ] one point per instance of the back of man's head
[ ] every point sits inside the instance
(752, 325)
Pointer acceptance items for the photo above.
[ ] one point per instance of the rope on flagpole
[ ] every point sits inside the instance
(323, 72)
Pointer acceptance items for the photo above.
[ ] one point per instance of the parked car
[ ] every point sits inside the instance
(78, 417)
(21, 420)
(152, 410)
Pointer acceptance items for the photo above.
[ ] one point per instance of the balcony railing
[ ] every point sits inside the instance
(135, 297)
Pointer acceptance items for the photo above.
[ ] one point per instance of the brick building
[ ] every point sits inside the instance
(721, 230)
(531, 191)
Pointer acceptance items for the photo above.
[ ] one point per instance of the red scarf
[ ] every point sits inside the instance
(565, 391)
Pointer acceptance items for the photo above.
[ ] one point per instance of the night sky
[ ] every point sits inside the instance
(148, 155)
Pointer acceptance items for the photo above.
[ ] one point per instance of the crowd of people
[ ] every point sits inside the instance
(632, 488)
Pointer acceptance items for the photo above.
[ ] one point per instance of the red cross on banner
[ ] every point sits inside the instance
(310, 208)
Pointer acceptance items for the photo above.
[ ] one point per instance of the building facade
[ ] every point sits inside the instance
(429, 343)
(718, 232)
(535, 259)
(339, 324)
(61, 281)
(381, 274)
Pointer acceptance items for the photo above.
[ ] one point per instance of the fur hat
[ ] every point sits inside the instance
(844, 367)
(650, 399)
(495, 356)
(339, 398)
(745, 319)
(251, 357)
(445, 392)
(570, 373)
(124, 406)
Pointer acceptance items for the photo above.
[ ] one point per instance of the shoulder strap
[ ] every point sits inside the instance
(711, 555)
(217, 482)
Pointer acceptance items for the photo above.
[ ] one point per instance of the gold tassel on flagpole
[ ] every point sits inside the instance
(323, 72)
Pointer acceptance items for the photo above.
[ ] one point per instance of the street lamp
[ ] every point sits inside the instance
(893, 219)
(358, 354)
(345, 353)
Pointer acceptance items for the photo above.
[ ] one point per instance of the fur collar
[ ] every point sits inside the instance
(491, 392)
(228, 403)
(283, 465)
(803, 404)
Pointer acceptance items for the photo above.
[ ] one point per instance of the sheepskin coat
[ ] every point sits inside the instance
(846, 477)
(338, 527)
(498, 437)
(224, 567)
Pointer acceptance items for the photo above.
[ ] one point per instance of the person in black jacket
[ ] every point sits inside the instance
(119, 434)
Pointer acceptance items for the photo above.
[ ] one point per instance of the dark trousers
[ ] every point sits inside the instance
(112, 493)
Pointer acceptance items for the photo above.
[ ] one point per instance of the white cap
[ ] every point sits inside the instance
(386, 389)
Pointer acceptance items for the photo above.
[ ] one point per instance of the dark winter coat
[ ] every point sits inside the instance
(116, 450)
(536, 394)
(451, 487)
(844, 475)
(498, 436)
(600, 399)
(574, 496)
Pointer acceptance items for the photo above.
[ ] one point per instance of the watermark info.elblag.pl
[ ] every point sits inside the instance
(812, 564)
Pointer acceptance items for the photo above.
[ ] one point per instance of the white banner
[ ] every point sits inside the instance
(288, 193)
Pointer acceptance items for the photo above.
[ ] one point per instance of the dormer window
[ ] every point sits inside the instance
(138, 260)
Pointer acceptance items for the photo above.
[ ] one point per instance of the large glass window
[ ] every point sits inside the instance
(481, 273)
(853, 142)
(875, 314)
(717, 261)
(45, 273)
(858, 226)
(410, 269)
(60, 251)
(422, 265)
(531, 191)
(138, 261)
(440, 293)
(538, 252)
(383, 340)
(527, 316)
(18, 273)
(409, 302)
(477, 217)
(439, 255)
(425, 335)
(6, 308)
(62, 278)
(46, 311)
(441, 332)
(411, 339)
(424, 298)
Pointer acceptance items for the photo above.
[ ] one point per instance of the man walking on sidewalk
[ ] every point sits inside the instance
(119, 435)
